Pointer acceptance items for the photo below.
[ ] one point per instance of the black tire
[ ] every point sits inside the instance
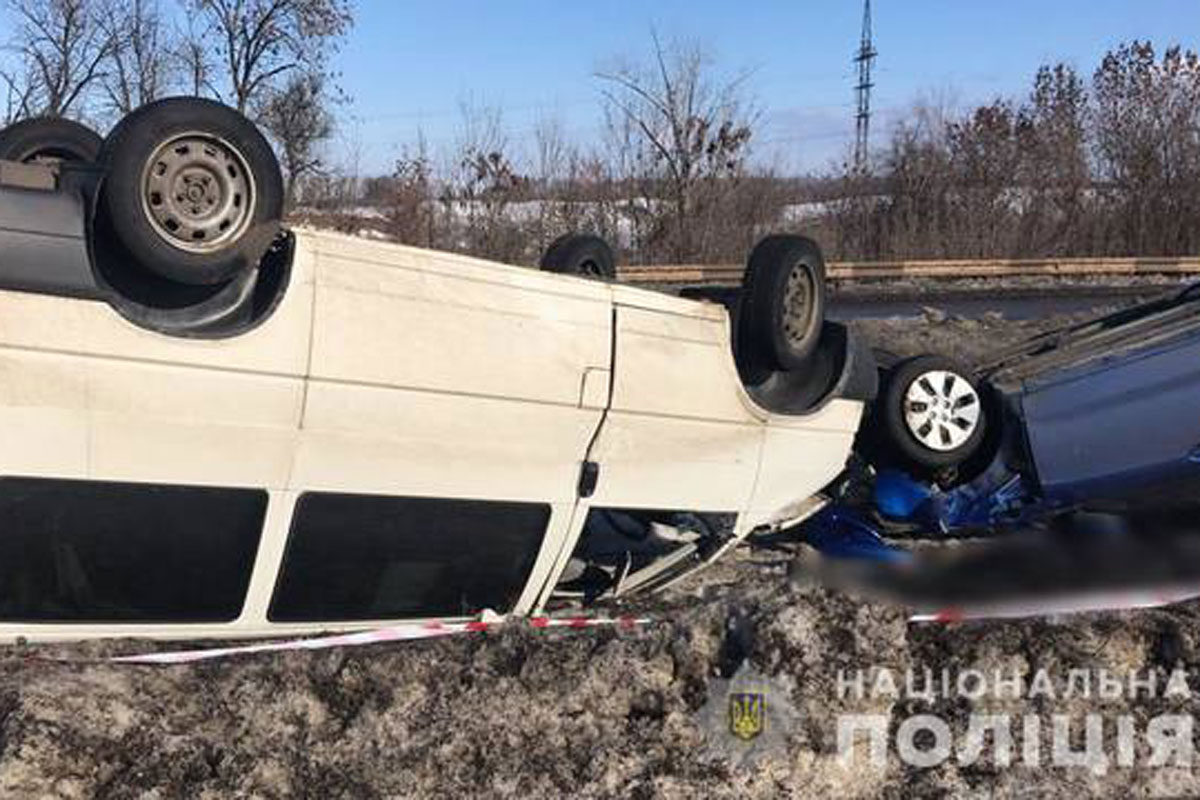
(752, 364)
(192, 190)
(954, 432)
(783, 301)
(580, 254)
(49, 139)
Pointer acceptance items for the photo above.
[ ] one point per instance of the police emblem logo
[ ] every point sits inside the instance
(747, 714)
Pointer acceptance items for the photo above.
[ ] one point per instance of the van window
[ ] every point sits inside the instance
(90, 551)
(362, 557)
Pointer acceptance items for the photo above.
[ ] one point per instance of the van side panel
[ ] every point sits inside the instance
(112, 419)
(679, 434)
(389, 317)
(801, 456)
(89, 328)
(401, 441)
(683, 433)
(435, 376)
(86, 394)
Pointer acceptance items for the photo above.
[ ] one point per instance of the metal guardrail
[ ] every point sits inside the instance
(841, 270)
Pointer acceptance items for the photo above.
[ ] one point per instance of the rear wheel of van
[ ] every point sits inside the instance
(192, 190)
(783, 301)
(49, 140)
(932, 412)
(580, 254)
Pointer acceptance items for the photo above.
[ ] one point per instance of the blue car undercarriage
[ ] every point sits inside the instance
(1101, 417)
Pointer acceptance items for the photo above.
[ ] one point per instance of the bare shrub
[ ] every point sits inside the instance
(682, 130)
(410, 199)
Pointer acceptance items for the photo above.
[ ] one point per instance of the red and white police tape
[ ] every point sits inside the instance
(391, 633)
(1011, 609)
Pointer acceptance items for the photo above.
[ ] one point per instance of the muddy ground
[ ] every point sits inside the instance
(603, 713)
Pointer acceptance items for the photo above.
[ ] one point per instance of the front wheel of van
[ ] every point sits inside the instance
(783, 301)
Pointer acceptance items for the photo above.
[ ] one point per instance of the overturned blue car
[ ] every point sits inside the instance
(1102, 416)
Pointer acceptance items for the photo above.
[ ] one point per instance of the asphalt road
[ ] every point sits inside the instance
(1011, 298)
(1014, 307)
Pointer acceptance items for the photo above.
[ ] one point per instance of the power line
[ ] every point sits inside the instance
(865, 59)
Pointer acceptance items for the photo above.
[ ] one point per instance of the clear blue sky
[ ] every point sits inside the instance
(408, 65)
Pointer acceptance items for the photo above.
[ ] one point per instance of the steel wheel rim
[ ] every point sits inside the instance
(941, 410)
(198, 193)
(797, 305)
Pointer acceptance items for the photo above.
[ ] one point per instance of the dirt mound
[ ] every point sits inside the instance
(600, 713)
(512, 714)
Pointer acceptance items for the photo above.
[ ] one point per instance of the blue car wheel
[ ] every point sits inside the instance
(933, 412)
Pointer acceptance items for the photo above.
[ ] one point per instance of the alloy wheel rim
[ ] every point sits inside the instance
(941, 410)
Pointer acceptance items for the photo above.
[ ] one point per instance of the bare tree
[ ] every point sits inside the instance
(297, 116)
(1147, 129)
(19, 85)
(257, 41)
(63, 46)
(550, 177)
(139, 63)
(917, 216)
(1056, 174)
(191, 60)
(689, 126)
(985, 162)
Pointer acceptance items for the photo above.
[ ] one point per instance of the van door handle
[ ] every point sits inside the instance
(589, 476)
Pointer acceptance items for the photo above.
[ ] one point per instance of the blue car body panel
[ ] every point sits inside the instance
(1116, 425)
(844, 533)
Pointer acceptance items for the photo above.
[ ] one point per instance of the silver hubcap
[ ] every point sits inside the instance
(198, 193)
(941, 410)
(797, 305)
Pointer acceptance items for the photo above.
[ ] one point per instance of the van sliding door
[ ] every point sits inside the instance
(440, 377)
